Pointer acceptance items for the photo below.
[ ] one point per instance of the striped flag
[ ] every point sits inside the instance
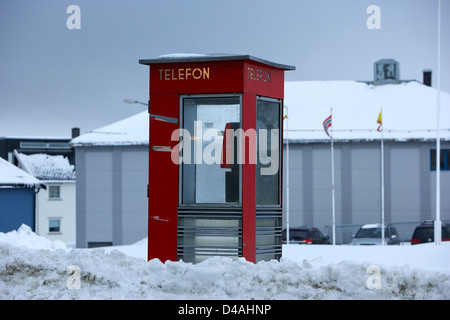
(327, 125)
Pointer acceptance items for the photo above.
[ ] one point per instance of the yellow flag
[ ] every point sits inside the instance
(380, 122)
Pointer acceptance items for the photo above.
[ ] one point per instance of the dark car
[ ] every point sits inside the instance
(305, 235)
(424, 232)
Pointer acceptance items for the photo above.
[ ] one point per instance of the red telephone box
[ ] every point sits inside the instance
(215, 176)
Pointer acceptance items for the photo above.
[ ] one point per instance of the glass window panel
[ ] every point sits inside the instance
(53, 192)
(447, 166)
(433, 159)
(204, 179)
(268, 165)
(444, 159)
(54, 225)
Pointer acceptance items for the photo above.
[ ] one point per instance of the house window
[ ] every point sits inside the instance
(54, 192)
(54, 225)
(444, 159)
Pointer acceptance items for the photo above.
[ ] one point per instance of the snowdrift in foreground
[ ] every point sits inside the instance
(41, 273)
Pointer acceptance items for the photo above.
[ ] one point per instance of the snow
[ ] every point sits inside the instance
(47, 167)
(34, 268)
(371, 226)
(182, 55)
(129, 131)
(25, 237)
(12, 176)
(409, 113)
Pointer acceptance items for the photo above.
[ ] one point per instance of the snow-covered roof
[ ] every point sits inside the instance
(198, 57)
(130, 131)
(12, 176)
(409, 113)
(47, 167)
(182, 55)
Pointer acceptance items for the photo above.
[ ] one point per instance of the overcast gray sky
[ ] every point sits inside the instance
(53, 78)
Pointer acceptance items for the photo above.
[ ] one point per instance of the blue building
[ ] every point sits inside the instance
(17, 197)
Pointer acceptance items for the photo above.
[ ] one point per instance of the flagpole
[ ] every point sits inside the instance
(382, 181)
(332, 184)
(287, 176)
(437, 227)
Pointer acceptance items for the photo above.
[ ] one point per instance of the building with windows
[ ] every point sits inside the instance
(50, 160)
(55, 205)
(32, 145)
(112, 162)
(408, 134)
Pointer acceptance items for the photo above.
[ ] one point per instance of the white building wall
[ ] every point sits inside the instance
(321, 186)
(134, 194)
(410, 184)
(111, 195)
(98, 195)
(112, 181)
(62, 209)
(365, 182)
(405, 183)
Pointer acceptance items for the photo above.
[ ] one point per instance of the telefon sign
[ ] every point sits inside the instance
(184, 73)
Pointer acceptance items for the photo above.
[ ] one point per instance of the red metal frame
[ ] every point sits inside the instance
(167, 82)
(163, 181)
(249, 182)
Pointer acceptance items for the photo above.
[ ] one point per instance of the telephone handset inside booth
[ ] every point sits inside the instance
(230, 161)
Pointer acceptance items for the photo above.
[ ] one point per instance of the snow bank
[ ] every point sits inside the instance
(428, 257)
(25, 237)
(40, 272)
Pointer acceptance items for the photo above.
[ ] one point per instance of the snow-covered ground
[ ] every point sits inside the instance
(32, 267)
